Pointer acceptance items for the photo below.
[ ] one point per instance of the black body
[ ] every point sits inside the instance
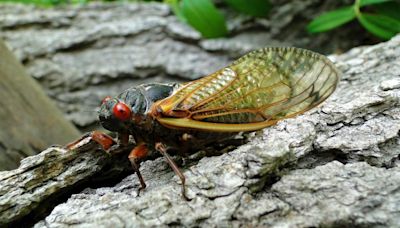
(144, 128)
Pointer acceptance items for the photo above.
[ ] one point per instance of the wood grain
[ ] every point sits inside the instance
(29, 121)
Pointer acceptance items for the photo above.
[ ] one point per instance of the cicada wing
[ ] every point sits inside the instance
(255, 91)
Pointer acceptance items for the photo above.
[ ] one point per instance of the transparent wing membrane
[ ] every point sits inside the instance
(258, 89)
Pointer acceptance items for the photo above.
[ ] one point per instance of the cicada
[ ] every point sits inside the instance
(252, 93)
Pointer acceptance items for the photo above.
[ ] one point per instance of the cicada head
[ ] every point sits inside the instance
(115, 115)
(120, 114)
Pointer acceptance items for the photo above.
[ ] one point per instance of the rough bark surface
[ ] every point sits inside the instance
(335, 166)
(82, 54)
(29, 120)
(43, 180)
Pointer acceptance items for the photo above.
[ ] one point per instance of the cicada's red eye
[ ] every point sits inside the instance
(107, 98)
(122, 111)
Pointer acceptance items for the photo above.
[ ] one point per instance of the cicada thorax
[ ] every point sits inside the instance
(138, 100)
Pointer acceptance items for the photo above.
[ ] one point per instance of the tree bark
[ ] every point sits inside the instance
(30, 122)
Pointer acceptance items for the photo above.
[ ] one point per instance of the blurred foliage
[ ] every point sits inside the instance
(379, 17)
(204, 16)
(257, 8)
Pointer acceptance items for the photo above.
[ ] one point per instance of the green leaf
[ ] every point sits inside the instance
(204, 17)
(176, 8)
(372, 2)
(380, 25)
(390, 9)
(256, 8)
(332, 19)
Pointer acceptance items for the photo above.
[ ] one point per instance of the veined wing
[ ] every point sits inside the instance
(253, 92)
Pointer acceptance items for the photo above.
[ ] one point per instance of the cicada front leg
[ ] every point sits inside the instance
(101, 139)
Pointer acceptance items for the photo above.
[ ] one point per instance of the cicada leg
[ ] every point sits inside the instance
(140, 151)
(123, 138)
(102, 139)
(163, 150)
